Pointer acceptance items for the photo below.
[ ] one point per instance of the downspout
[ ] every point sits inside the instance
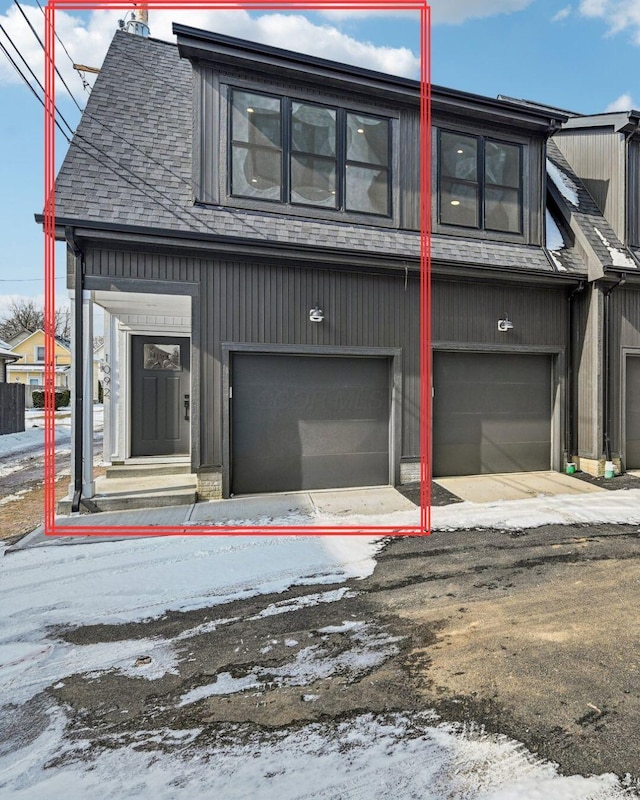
(78, 381)
(570, 393)
(607, 365)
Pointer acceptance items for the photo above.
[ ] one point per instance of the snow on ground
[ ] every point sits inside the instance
(133, 580)
(620, 507)
(394, 757)
(33, 436)
(390, 757)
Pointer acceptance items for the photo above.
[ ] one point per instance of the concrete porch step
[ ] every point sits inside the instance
(148, 469)
(157, 491)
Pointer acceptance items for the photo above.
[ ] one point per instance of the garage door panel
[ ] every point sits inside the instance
(302, 422)
(492, 413)
(500, 398)
(343, 437)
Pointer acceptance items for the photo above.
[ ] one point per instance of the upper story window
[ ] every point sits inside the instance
(39, 354)
(306, 154)
(480, 183)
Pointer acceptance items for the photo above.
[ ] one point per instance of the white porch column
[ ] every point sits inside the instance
(72, 387)
(107, 369)
(88, 484)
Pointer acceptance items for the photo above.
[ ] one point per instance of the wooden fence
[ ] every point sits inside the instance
(11, 408)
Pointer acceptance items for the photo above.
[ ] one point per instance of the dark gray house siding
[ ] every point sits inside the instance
(598, 158)
(244, 303)
(164, 221)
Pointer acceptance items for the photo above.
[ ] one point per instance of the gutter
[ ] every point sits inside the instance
(606, 323)
(78, 371)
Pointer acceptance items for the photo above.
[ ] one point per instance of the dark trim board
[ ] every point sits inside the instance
(626, 354)
(394, 355)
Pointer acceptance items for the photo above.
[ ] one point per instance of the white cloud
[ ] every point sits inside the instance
(619, 15)
(622, 103)
(562, 14)
(87, 41)
(447, 11)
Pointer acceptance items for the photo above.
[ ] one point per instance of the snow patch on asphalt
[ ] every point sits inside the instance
(391, 757)
(42, 589)
(369, 649)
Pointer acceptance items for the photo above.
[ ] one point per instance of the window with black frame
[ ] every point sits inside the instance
(367, 164)
(308, 154)
(480, 183)
(313, 155)
(256, 143)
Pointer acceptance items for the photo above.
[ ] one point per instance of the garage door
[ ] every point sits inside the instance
(308, 422)
(491, 412)
(632, 452)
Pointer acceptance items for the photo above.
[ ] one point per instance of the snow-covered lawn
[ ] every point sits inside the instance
(391, 757)
(32, 437)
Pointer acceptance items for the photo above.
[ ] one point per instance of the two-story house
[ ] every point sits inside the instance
(29, 367)
(603, 152)
(249, 219)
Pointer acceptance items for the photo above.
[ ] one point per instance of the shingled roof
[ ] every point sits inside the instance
(130, 166)
(595, 237)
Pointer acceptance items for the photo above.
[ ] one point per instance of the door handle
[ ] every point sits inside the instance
(187, 402)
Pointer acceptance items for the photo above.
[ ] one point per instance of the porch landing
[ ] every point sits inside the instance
(140, 483)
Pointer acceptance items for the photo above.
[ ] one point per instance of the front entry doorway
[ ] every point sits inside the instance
(160, 395)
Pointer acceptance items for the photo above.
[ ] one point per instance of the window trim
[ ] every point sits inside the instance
(340, 211)
(481, 183)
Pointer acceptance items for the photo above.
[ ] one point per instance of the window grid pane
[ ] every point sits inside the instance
(367, 190)
(256, 120)
(459, 156)
(313, 130)
(256, 172)
(459, 203)
(313, 181)
(367, 140)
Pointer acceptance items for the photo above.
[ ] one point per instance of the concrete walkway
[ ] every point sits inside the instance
(514, 486)
(292, 508)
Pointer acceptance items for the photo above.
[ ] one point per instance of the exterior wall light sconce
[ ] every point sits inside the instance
(316, 314)
(505, 324)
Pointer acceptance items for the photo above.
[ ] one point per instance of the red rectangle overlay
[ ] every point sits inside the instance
(53, 527)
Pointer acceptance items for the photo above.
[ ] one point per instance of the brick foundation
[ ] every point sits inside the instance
(209, 485)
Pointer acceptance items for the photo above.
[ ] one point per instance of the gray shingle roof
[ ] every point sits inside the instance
(131, 160)
(586, 215)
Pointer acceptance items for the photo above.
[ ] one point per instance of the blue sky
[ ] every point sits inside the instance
(581, 55)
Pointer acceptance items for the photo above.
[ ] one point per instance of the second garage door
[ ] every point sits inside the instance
(308, 422)
(491, 413)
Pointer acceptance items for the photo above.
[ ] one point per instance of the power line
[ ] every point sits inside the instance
(35, 33)
(33, 75)
(85, 83)
(184, 217)
(91, 116)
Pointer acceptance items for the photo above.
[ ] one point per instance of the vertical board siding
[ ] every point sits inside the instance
(257, 303)
(409, 146)
(209, 136)
(246, 303)
(12, 397)
(587, 374)
(598, 158)
(468, 313)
